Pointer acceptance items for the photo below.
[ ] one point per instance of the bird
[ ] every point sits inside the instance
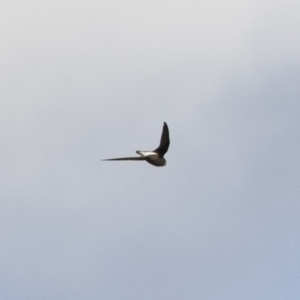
(155, 157)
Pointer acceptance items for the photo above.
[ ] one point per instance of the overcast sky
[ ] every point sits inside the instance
(81, 81)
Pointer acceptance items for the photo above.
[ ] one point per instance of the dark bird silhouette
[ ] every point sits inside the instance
(155, 157)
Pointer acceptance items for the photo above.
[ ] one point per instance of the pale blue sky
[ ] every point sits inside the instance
(86, 80)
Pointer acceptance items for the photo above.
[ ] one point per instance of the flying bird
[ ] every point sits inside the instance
(155, 157)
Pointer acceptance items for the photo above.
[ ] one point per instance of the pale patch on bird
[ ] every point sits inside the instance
(145, 153)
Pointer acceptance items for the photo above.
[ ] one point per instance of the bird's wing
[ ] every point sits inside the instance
(164, 141)
(125, 158)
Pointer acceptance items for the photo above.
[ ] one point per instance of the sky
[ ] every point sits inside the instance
(82, 81)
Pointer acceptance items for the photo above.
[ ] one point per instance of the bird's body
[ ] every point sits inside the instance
(152, 158)
(155, 157)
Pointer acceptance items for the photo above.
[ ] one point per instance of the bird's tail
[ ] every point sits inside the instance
(124, 158)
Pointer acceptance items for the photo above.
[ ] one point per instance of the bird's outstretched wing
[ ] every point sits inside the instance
(164, 141)
(125, 158)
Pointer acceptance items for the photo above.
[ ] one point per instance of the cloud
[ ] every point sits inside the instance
(85, 81)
